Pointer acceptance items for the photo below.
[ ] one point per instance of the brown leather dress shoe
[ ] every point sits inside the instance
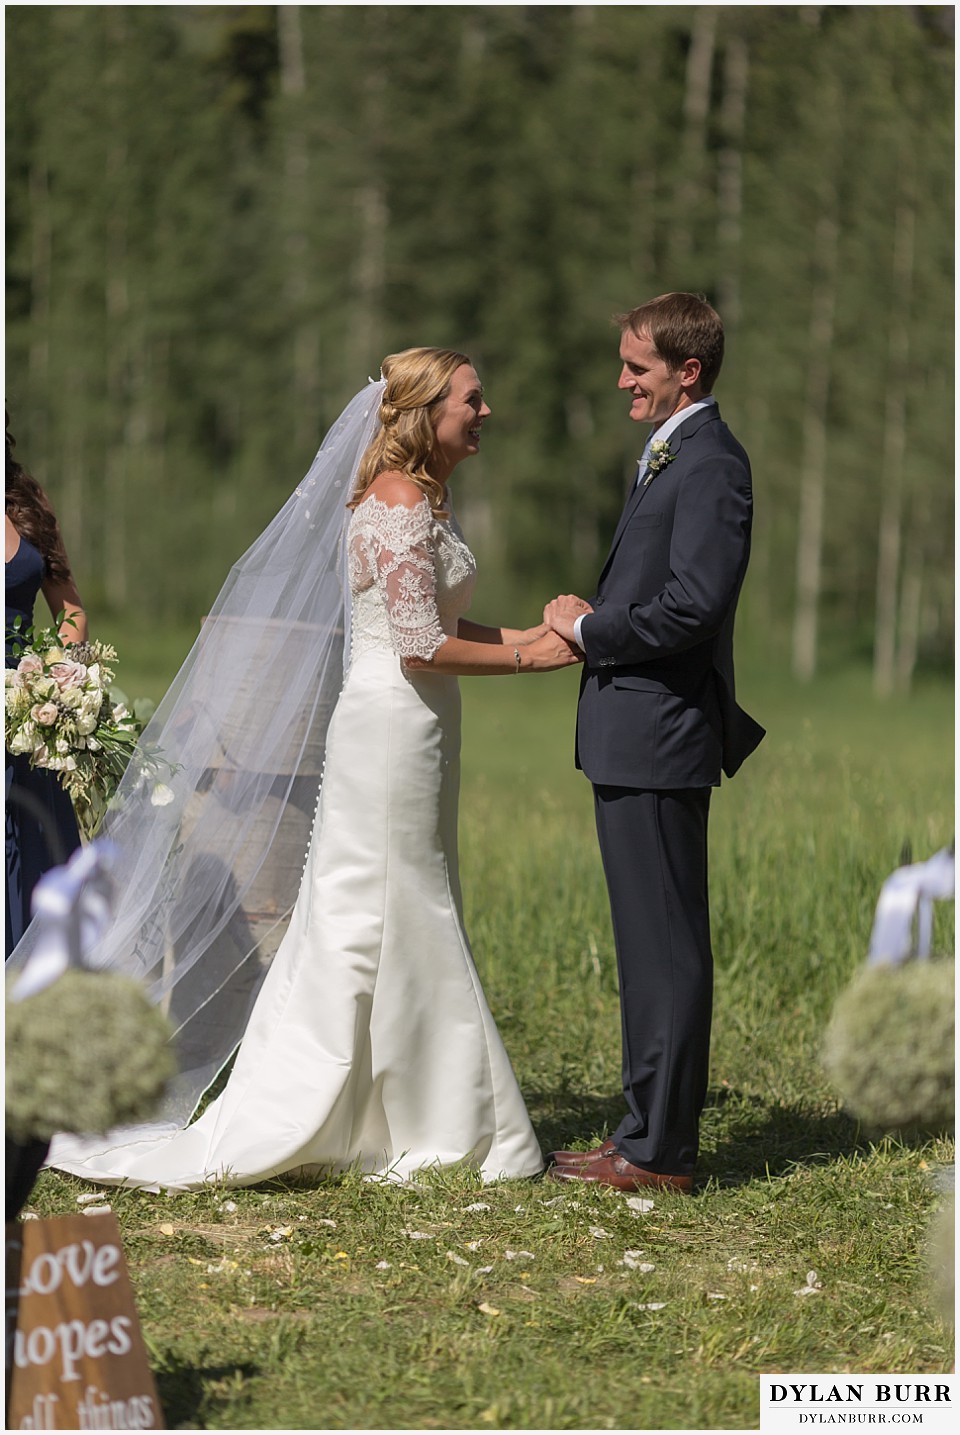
(580, 1158)
(617, 1171)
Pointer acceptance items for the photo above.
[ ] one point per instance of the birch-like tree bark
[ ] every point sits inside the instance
(733, 113)
(892, 481)
(696, 108)
(813, 464)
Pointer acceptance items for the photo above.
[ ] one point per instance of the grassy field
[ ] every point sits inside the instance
(446, 1305)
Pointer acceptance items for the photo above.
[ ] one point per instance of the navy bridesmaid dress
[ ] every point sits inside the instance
(34, 842)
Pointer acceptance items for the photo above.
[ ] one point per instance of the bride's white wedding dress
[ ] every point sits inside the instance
(371, 1043)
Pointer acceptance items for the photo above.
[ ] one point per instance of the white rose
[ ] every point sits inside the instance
(86, 725)
(71, 698)
(22, 741)
(53, 655)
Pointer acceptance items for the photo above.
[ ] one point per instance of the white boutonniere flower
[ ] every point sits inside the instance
(660, 455)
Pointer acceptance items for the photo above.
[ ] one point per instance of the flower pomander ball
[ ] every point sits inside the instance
(889, 1045)
(86, 1053)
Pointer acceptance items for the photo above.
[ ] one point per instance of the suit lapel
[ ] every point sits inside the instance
(636, 495)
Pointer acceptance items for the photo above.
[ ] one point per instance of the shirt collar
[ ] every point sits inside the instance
(673, 422)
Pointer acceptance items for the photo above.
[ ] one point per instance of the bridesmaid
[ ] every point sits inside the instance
(36, 561)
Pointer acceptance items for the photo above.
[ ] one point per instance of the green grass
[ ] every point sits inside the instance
(271, 1308)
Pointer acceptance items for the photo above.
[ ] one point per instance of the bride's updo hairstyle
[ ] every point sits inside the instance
(417, 381)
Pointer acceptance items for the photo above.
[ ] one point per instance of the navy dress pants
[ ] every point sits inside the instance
(654, 849)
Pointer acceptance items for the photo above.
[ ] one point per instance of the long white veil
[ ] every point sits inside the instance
(205, 884)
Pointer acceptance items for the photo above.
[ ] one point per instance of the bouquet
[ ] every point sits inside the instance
(61, 713)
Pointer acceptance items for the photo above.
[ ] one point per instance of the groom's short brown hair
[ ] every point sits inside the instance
(680, 326)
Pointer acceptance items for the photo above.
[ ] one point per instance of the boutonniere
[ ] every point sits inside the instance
(660, 455)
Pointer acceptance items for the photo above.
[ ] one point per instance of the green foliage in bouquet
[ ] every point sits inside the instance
(889, 1046)
(63, 713)
(87, 1053)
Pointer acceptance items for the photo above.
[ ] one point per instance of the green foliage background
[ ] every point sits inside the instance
(219, 218)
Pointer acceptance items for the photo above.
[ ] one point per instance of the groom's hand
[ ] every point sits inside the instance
(562, 612)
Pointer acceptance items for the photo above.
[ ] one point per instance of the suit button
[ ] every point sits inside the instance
(598, 602)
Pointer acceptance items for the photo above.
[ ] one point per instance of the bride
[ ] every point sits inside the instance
(369, 1043)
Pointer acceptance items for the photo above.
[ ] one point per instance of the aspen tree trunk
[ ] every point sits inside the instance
(696, 107)
(31, 426)
(894, 447)
(116, 468)
(911, 595)
(305, 358)
(643, 190)
(814, 451)
(733, 111)
(369, 275)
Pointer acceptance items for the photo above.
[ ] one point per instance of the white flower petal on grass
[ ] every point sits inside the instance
(417, 1235)
(326, 1221)
(488, 1309)
(280, 1233)
(96, 1210)
(91, 1196)
(29, 1216)
(229, 1207)
(599, 1234)
(473, 1245)
(553, 1201)
(382, 1266)
(484, 1270)
(519, 1255)
(639, 1203)
(737, 1265)
(652, 1305)
(477, 1206)
(813, 1286)
(716, 1295)
(632, 1261)
(457, 1260)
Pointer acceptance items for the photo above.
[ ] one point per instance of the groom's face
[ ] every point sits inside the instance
(656, 390)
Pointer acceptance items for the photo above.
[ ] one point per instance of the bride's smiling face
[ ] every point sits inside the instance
(458, 424)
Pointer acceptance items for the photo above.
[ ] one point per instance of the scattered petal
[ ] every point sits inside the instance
(632, 1261)
(487, 1308)
(98, 1211)
(553, 1201)
(29, 1216)
(382, 1266)
(477, 1206)
(457, 1260)
(586, 1280)
(280, 1233)
(639, 1203)
(91, 1196)
(652, 1305)
(519, 1208)
(736, 1265)
(326, 1221)
(166, 1229)
(484, 1270)
(599, 1233)
(229, 1207)
(418, 1235)
(715, 1295)
(519, 1255)
(473, 1245)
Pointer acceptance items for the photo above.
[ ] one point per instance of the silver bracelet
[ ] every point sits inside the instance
(516, 654)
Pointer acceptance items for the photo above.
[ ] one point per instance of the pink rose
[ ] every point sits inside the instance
(68, 674)
(30, 664)
(45, 715)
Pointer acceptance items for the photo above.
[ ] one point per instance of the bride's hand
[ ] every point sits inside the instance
(530, 635)
(548, 652)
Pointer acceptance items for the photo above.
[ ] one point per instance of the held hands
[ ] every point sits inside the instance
(547, 652)
(561, 613)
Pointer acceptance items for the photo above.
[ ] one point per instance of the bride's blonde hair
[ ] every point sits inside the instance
(417, 382)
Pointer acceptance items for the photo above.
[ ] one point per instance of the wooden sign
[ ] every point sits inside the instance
(75, 1356)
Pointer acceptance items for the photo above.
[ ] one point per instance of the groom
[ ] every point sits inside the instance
(656, 723)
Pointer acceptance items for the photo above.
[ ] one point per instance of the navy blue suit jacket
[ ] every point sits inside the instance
(657, 702)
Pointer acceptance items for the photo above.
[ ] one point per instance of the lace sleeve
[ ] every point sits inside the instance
(404, 554)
